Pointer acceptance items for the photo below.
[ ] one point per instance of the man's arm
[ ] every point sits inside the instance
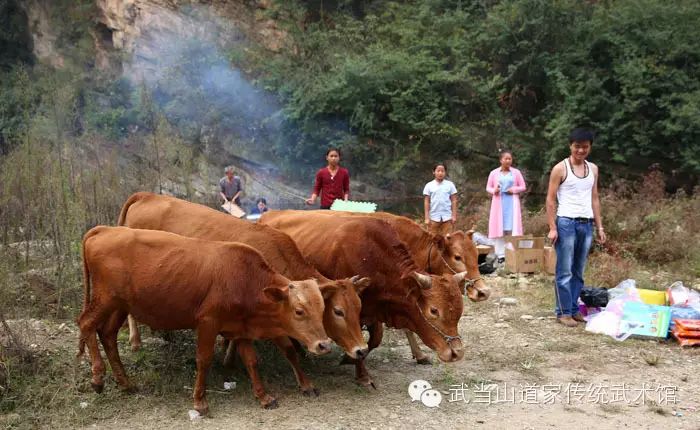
(596, 206)
(453, 198)
(240, 189)
(554, 181)
(426, 208)
(221, 191)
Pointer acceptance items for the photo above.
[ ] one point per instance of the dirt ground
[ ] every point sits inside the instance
(521, 370)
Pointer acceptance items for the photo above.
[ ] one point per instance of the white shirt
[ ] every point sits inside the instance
(574, 196)
(440, 203)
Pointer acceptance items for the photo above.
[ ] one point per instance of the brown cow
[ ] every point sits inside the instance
(170, 282)
(399, 295)
(437, 254)
(342, 312)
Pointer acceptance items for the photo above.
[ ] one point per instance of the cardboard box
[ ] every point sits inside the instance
(524, 254)
(484, 249)
(550, 260)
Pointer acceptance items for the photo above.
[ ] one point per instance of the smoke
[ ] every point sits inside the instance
(183, 57)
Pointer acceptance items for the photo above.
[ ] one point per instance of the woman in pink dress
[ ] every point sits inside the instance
(505, 183)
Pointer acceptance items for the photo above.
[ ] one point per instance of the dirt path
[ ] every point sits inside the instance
(518, 372)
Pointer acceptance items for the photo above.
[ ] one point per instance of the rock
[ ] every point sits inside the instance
(193, 415)
(508, 301)
(502, 325)
(526, 317)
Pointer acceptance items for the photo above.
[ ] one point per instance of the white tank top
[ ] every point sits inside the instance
(574, 194)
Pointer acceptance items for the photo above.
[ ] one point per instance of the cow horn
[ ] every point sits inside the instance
(459, 277)
(425, 281)
(355, 278)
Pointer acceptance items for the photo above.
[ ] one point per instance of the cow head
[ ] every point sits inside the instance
(302, 312)
(449, 257)
(438, 308)
(473, 285)
(341, 317)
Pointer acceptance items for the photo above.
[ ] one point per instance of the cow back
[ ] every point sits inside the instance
(158, 212)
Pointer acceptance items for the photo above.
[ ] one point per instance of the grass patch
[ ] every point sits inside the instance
(561, 346)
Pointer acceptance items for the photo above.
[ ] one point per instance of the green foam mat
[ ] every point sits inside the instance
(351, 206)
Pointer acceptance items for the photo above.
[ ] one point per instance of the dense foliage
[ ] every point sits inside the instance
(401, 84)
(408, 81)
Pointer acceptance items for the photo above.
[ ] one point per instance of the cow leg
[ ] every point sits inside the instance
(134, 335)
(250, 359)
(420, 356)
(206, 342)
(287, 347)
(376, 332)
(108, 336)
(90, 319)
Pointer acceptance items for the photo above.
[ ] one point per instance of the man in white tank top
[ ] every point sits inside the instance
(573, 208)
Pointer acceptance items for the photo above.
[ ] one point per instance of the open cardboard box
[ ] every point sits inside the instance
(524, 254)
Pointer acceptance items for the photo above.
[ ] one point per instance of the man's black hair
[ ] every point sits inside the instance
(581, 135)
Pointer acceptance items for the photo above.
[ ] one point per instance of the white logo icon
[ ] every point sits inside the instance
(422, 390)
(431, 398)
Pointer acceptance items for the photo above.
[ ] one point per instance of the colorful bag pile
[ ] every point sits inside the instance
(686, 332)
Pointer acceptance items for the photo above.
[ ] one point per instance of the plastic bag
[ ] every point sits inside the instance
(680, 295)
(628, 287)
(688, 325)
(594, 297)
(611, 324)
(684, 341)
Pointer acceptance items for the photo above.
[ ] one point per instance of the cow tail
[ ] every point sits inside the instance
(86, 290)
(130, 201)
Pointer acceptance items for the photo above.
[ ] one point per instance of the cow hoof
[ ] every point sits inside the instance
(346, 360)
(367, 383)
(135, 346)
(311, 392)
(203, 410)
(271, 404)
(424, 360)
(97, 387)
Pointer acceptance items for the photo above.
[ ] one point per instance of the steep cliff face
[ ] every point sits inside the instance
(43, 32)
(131, 33)
(142, 27)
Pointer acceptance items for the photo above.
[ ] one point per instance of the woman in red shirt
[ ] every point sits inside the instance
(332, 181)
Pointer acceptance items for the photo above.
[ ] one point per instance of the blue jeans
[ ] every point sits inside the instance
(573, 243)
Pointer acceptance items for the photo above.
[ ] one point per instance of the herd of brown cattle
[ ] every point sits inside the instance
(302, 275)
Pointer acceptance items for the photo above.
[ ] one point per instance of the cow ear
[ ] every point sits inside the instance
(360, 283)
(470, 233)
(424, 281)
(439, 241)
(277, 294)
(328, 289)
